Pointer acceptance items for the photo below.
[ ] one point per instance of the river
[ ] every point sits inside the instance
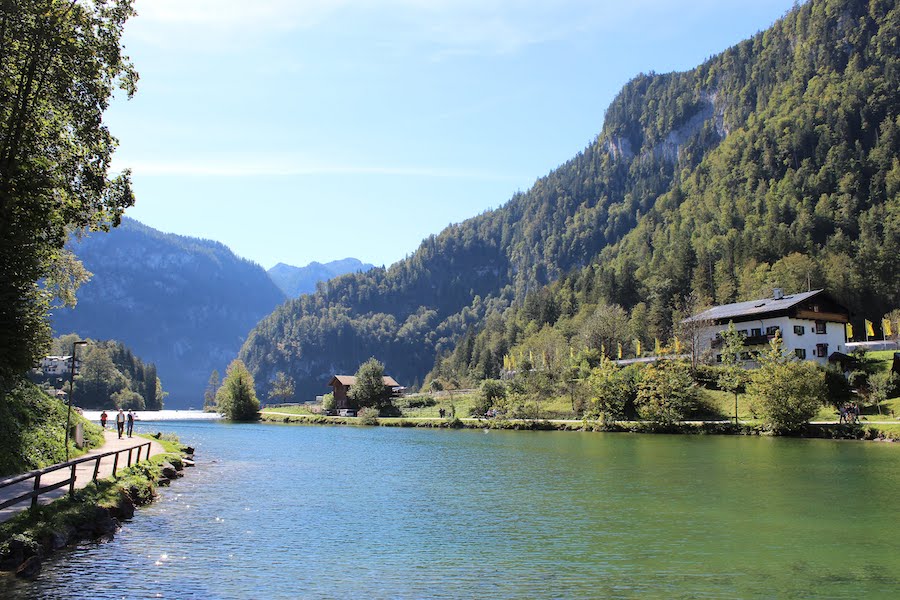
(343, 512)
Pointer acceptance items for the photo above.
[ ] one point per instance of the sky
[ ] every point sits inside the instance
(302, 130)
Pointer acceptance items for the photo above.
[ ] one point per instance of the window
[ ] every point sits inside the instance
(799, 329)
(801, 353)
(743, 332)
(755, 332)
(820, 326)
(718, 358)
(772, 330)
(821, 350)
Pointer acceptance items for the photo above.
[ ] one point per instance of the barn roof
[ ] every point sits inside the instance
(753, 307)
(351, 380)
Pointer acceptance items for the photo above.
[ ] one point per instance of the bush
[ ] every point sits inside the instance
(368, 416)
(788, 393)
(667, 392)
(612, 388)
(328, 401)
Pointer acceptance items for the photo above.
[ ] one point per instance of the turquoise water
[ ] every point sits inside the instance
(342, 512)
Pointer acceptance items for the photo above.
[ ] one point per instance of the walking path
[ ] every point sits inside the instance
(83, 473)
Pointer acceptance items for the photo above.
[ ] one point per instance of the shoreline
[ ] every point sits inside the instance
(833, 431)
(95, 513)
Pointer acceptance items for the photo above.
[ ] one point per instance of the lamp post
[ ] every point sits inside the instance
(71, 386)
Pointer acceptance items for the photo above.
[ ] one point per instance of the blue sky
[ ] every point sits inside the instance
(295, 130)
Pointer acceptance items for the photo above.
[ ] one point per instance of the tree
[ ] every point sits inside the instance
(611, 389)
(492, 391)
(733, 376)
(212, 388)
(236, 399)
(60, 61)
(282, 388)
(369, 389)
(788, 392)
(690, 327)
(666, 392)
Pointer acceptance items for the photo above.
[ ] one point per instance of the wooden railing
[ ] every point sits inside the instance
(72, 465)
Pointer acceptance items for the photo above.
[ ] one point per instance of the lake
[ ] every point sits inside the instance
(343, 512)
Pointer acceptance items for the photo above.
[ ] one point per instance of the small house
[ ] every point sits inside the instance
(342, 384)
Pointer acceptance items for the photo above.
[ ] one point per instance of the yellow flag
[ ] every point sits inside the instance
(677, 346)
(870, 329)
(657, 347)
(531, 357)
(637, 344)
(849, 331)
(602, 349)
(886, 327)
(571, 352)
(620, 351)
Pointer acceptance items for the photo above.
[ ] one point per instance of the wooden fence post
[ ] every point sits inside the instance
(72, 482)
(37, 486)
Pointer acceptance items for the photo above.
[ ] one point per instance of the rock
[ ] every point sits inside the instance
(124, 509)
(30, 568)
(103, 523)
(169, 471)
(164, 482)
(188, 450)
(188, 463)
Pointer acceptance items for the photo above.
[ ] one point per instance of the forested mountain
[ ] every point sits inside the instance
(296, 281)
(182, 303)
(775, 162)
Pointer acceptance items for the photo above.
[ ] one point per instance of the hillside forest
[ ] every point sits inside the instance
(772, 164)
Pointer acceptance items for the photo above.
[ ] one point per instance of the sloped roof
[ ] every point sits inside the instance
(752, 307)
(351, 380)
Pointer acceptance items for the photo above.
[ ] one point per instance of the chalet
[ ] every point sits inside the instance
(57, 365)
(343, 383)
(812, 325)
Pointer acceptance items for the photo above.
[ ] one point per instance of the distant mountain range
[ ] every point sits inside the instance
(296, 281)
(183, 303)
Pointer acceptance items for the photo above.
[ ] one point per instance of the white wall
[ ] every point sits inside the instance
(808, 340)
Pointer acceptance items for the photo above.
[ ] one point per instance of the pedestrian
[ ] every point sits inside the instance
(103, 417)
(120, 422)
(843, 410)
(130, 423)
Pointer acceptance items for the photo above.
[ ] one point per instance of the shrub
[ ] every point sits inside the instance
(611, 389)
(787, 392)
(328, 401)
(667, 392)
(368, 416)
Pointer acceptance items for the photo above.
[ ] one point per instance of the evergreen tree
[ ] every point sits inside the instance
(236, 399)
(212, 388)
(369, 389)
(282, 388)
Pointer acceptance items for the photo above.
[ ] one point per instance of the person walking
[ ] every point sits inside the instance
(130, 423)
(120, 422)
(103, 418)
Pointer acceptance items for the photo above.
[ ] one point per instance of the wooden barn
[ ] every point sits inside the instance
(342, 384)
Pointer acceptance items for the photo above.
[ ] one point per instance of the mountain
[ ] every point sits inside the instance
(182, 303)
(296, 281)
(774, 160)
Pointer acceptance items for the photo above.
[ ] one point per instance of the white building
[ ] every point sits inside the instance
(58, 365)
(812, 325)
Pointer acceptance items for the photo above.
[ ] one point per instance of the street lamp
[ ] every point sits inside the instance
(71, 385)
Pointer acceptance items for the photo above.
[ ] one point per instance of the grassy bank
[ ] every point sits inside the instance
(93, 512)
(33, 430)
(750, 427)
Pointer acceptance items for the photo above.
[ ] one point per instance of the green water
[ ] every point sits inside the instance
(329, 512)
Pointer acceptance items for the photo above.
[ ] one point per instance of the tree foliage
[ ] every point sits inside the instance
(60, 62)
(787, 392)
(282, 388)
(236, 399)
(369, 389)
(666, 392)
(110, 375)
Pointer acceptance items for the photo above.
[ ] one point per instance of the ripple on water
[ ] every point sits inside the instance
(287, 512)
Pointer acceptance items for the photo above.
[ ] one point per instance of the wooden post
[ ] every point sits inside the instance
(129, 456)
(96, 469)
(37, 486)
(72, 482)
(115, 464)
